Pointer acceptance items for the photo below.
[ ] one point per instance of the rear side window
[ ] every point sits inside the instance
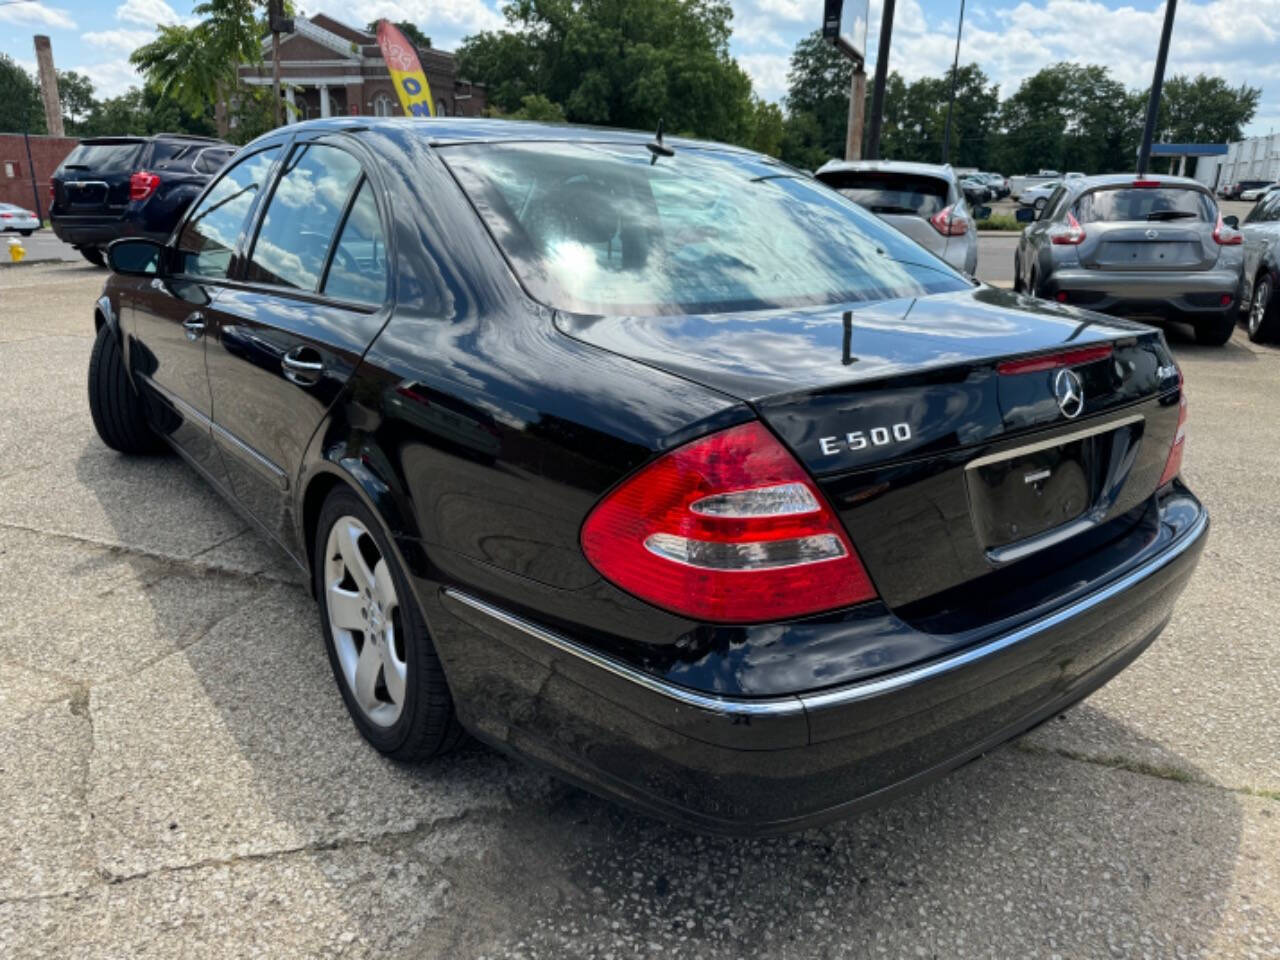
(1123, 204)
(302, 217)
(211, 161)
(881, 191)
(103, 158)
(359, 268)
(208, 237)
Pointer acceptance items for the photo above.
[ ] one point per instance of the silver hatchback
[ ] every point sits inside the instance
(922, 200)
(1153, 246)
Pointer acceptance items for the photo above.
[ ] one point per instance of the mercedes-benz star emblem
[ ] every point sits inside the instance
(1070, 393)
(1152, 234)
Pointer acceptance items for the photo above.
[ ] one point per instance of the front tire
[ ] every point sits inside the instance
(117, 409)
(25, 233)
(383, 660)
(1262, 321)
(93, 255)
(1039, 204)
(1215, 331)
(1018, 285)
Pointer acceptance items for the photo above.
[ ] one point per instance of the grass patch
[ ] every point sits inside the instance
(1001, 221)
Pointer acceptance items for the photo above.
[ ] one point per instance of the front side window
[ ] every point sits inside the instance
(1124, 204)
(302, 217)
(208, 237)
(606, 228)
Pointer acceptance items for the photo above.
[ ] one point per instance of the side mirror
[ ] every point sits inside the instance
(982, 213)
(1232, 221)
(135, 257)
(1024, 215)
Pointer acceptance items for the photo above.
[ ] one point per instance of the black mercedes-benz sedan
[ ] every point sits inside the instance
(657, 463)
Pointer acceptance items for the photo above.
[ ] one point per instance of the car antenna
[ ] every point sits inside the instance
(657, 147)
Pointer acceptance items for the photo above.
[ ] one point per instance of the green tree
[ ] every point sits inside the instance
(1204, 109)
(626, 63)
(537, 107)
(410, 30)
(765, 127)
(144, 111)
(818, 86)
(20, 107)
(197, 65)
(75, 90)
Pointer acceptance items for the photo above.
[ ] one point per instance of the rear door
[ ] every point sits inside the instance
(93, 180)
(1147, 228)
(167, 318)
(310, 296)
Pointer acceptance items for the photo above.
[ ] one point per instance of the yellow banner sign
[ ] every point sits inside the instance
(406, 71)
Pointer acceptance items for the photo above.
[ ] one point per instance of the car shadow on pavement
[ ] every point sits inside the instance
(229, 748)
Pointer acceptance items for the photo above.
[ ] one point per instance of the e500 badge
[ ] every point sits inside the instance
(861, 439)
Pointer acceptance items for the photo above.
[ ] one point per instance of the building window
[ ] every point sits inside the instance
(10, 169)
(383, 106)
(442, 108)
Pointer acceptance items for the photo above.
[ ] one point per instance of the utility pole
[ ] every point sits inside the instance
(49, 86)
(882, 73)
(279, 24)
(955, 74)
(831, 17)
(1157, 83)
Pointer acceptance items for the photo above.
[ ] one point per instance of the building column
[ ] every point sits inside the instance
(292, 115)
(324, 99)
(1182, 165)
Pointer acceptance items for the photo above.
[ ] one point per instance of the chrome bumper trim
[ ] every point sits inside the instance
(850, 693)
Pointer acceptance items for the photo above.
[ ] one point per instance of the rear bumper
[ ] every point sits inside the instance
(774, 764)
(86, 231)
(1162, 293)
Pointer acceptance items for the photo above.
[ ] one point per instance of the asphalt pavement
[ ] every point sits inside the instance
(179, 778)
(40, 247)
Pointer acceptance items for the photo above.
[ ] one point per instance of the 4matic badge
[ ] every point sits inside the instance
(861, 439)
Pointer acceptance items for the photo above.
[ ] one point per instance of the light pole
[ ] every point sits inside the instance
(882, 71)
(955, 73)
(1157, 83)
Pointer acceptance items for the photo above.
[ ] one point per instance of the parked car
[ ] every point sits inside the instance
(111, 187)
(1261, 270)
(998, 184)
(1256, 193)
(1036, 197)
(659, 463)
(20, 219)
(976, 191)
(922, 200)
(1233, 191)
(1152, 246)
(1072, 175)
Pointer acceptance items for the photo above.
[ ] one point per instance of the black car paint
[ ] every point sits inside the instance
(181, 181)
(481, 428)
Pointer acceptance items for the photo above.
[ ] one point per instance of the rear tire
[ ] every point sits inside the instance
(1215, 331)
(93, 255)
(1018, 285)
(1262, 323)
(1039, 204)
(116, 407)
(25, 233)
(354, 563)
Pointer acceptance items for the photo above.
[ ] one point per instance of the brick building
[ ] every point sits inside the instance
(15, 174)
(329, 69)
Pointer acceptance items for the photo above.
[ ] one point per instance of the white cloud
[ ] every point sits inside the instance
(149, 13)
(123, 40)
(768, 73)
(36, 15)
(791, 10)
(444, 21)
(110, 77)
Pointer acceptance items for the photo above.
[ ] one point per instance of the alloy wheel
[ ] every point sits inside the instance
(364, 615)
(1258, 308)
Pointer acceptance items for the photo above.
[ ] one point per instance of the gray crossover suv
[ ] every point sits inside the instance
(922, 200)
(1153, 246)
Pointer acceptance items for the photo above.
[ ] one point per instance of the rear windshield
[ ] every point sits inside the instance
(1117, 204)
(884, 192)
(103, 157)
(602, 228)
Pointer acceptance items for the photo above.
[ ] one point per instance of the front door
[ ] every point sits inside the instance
(169, 316)
(289, 333)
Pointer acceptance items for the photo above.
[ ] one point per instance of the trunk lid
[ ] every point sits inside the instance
(1144, 246)
(942, 467)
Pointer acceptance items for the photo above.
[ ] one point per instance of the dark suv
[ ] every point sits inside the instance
(110, 187)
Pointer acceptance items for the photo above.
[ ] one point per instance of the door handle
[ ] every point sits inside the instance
(193, 326)
(303, 366)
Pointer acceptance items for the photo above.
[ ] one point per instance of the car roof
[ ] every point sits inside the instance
(1124, 179)
(941, 171)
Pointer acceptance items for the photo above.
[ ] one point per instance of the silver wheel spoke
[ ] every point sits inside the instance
(384, 591)
(349, 546)
(346, 609)
(393, 672)
(366, 678)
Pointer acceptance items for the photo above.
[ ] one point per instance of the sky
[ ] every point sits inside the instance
(1235, 39)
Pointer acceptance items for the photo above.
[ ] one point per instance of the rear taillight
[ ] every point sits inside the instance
(6, 216)
(142, 185)
(727, 529)
(1173, 466)
(1067, 234)
(949, 223)
(1051, 361)
(1226, 236)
